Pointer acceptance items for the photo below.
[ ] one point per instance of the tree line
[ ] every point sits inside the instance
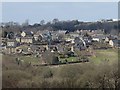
(55, 24)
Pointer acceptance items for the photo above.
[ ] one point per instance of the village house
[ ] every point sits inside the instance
(11, 43)
(69, 39)
(74, 34)
(11, 46)
(54, 36)
(28, 40)
(114, 43)
(62, 32)
(60, 48)
(27, 33)
(79, 43)
(98, 38)
(38, 37)
(107, 40)
(88, 40)
(98, 32)
(25, 37)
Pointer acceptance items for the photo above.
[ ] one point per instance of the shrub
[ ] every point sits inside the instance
(47, 73)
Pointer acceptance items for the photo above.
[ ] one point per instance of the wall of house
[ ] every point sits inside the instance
(10, 50)
(96, 39)
(10, 43)
(111, 43)
(27, 40)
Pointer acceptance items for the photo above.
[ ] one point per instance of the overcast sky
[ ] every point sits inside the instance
(35, 12)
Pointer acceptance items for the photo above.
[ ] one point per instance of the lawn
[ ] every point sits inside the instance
(69, 59)
(31, 59)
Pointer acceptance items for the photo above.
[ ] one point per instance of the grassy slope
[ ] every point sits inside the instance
(70, 59)
(30, 59)
(100, 55)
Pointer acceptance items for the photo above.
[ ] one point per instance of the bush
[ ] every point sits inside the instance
(50, 58)
(55, 60)
(47, 73)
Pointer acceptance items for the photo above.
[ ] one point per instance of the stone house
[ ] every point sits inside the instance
(79, 43)
(26, 40)
(114, 43)
(11, 46)
(38, 37)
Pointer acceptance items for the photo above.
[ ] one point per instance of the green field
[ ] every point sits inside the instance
(31, 59)
(100, 55)
(69, 59)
